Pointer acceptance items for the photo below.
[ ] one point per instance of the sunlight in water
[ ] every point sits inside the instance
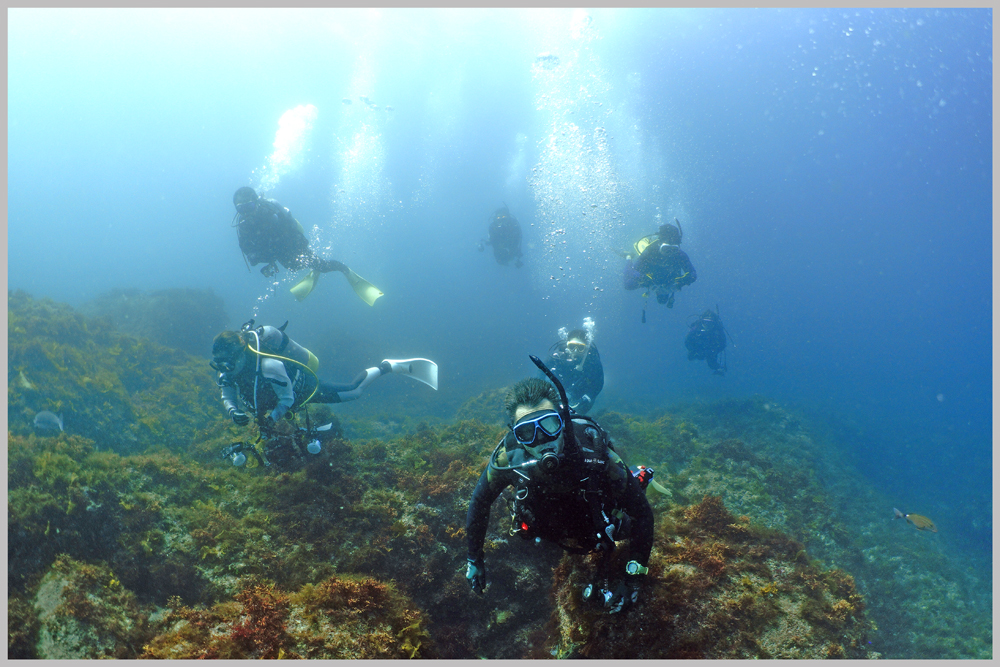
(294, 127)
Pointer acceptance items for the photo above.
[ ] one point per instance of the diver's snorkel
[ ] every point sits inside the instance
(569, 439)
(550, 460)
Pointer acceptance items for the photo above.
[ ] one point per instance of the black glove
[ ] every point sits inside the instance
(268, 426)
(239, 418)
(615, 597)
(269, 270)
(621, 596)
(476, 574)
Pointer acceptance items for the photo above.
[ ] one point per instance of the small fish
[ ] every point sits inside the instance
(919, 522)
(25, 384)
(547, 60)
(388, 108)
(363, 98)
(48, 420)
(346, 100)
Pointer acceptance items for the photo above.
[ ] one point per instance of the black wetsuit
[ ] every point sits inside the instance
(505, 237)
(588, 381)
(271, 234)
(706, 339)
(664, 270)
(558, 507)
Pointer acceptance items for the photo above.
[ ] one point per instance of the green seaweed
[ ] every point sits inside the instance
(761, 549)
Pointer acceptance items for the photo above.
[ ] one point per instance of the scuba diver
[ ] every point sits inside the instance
(265, 373)
(706, 339)
(659, 265)
(268, 233)
(577, 363)
(571, 488)
(505, 237)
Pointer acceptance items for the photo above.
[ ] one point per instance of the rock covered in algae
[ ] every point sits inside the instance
(182, 318)
(342, 617)
(718, 587)
(124, 393)
(85, 613)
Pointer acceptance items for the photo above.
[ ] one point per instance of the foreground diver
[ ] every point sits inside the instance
(706, 339)
(268, 233)
(264, 372)
(659, 265)
(571, 488)
(505, 237)
(577, 363)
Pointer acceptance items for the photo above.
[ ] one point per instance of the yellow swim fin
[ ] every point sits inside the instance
(363, 288)
(302, 288)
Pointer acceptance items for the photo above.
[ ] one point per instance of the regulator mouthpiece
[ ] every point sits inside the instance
(549, 462)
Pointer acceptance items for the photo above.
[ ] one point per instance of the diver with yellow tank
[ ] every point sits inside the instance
(265, 373)
(659, 266)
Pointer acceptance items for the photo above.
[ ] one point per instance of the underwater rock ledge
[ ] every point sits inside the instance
(127, 531)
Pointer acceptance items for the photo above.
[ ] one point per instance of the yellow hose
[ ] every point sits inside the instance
(259, 353)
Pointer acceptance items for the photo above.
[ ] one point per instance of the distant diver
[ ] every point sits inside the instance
(268, 233)
(505, 237)
(264, 374)
(659, 265)
(577, 363)
(706, 339)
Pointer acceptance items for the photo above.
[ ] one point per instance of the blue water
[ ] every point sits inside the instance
(832, 171)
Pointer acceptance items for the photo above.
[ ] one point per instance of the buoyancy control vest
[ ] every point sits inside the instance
(577, 506)
(301, 367)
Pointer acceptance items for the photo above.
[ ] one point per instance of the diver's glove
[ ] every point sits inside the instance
(269, 270)
(268, 426)
(239, 418)
(621, 595)
(476, 574)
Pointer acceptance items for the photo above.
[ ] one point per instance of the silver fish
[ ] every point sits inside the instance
(48, 420)
(25, 384)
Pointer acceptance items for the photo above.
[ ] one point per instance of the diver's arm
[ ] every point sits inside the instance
(593, 373)
(688, 274)
(274, 372)
(229, 400)
(584, 404)
(478, 518)
(638, 509)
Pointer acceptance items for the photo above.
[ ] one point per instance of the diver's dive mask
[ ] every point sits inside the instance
(230, 365)
(245, 208)
(575, 349)
(539, 433)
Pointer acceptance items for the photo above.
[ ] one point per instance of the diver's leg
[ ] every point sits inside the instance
(329, 392)
(327, 265)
